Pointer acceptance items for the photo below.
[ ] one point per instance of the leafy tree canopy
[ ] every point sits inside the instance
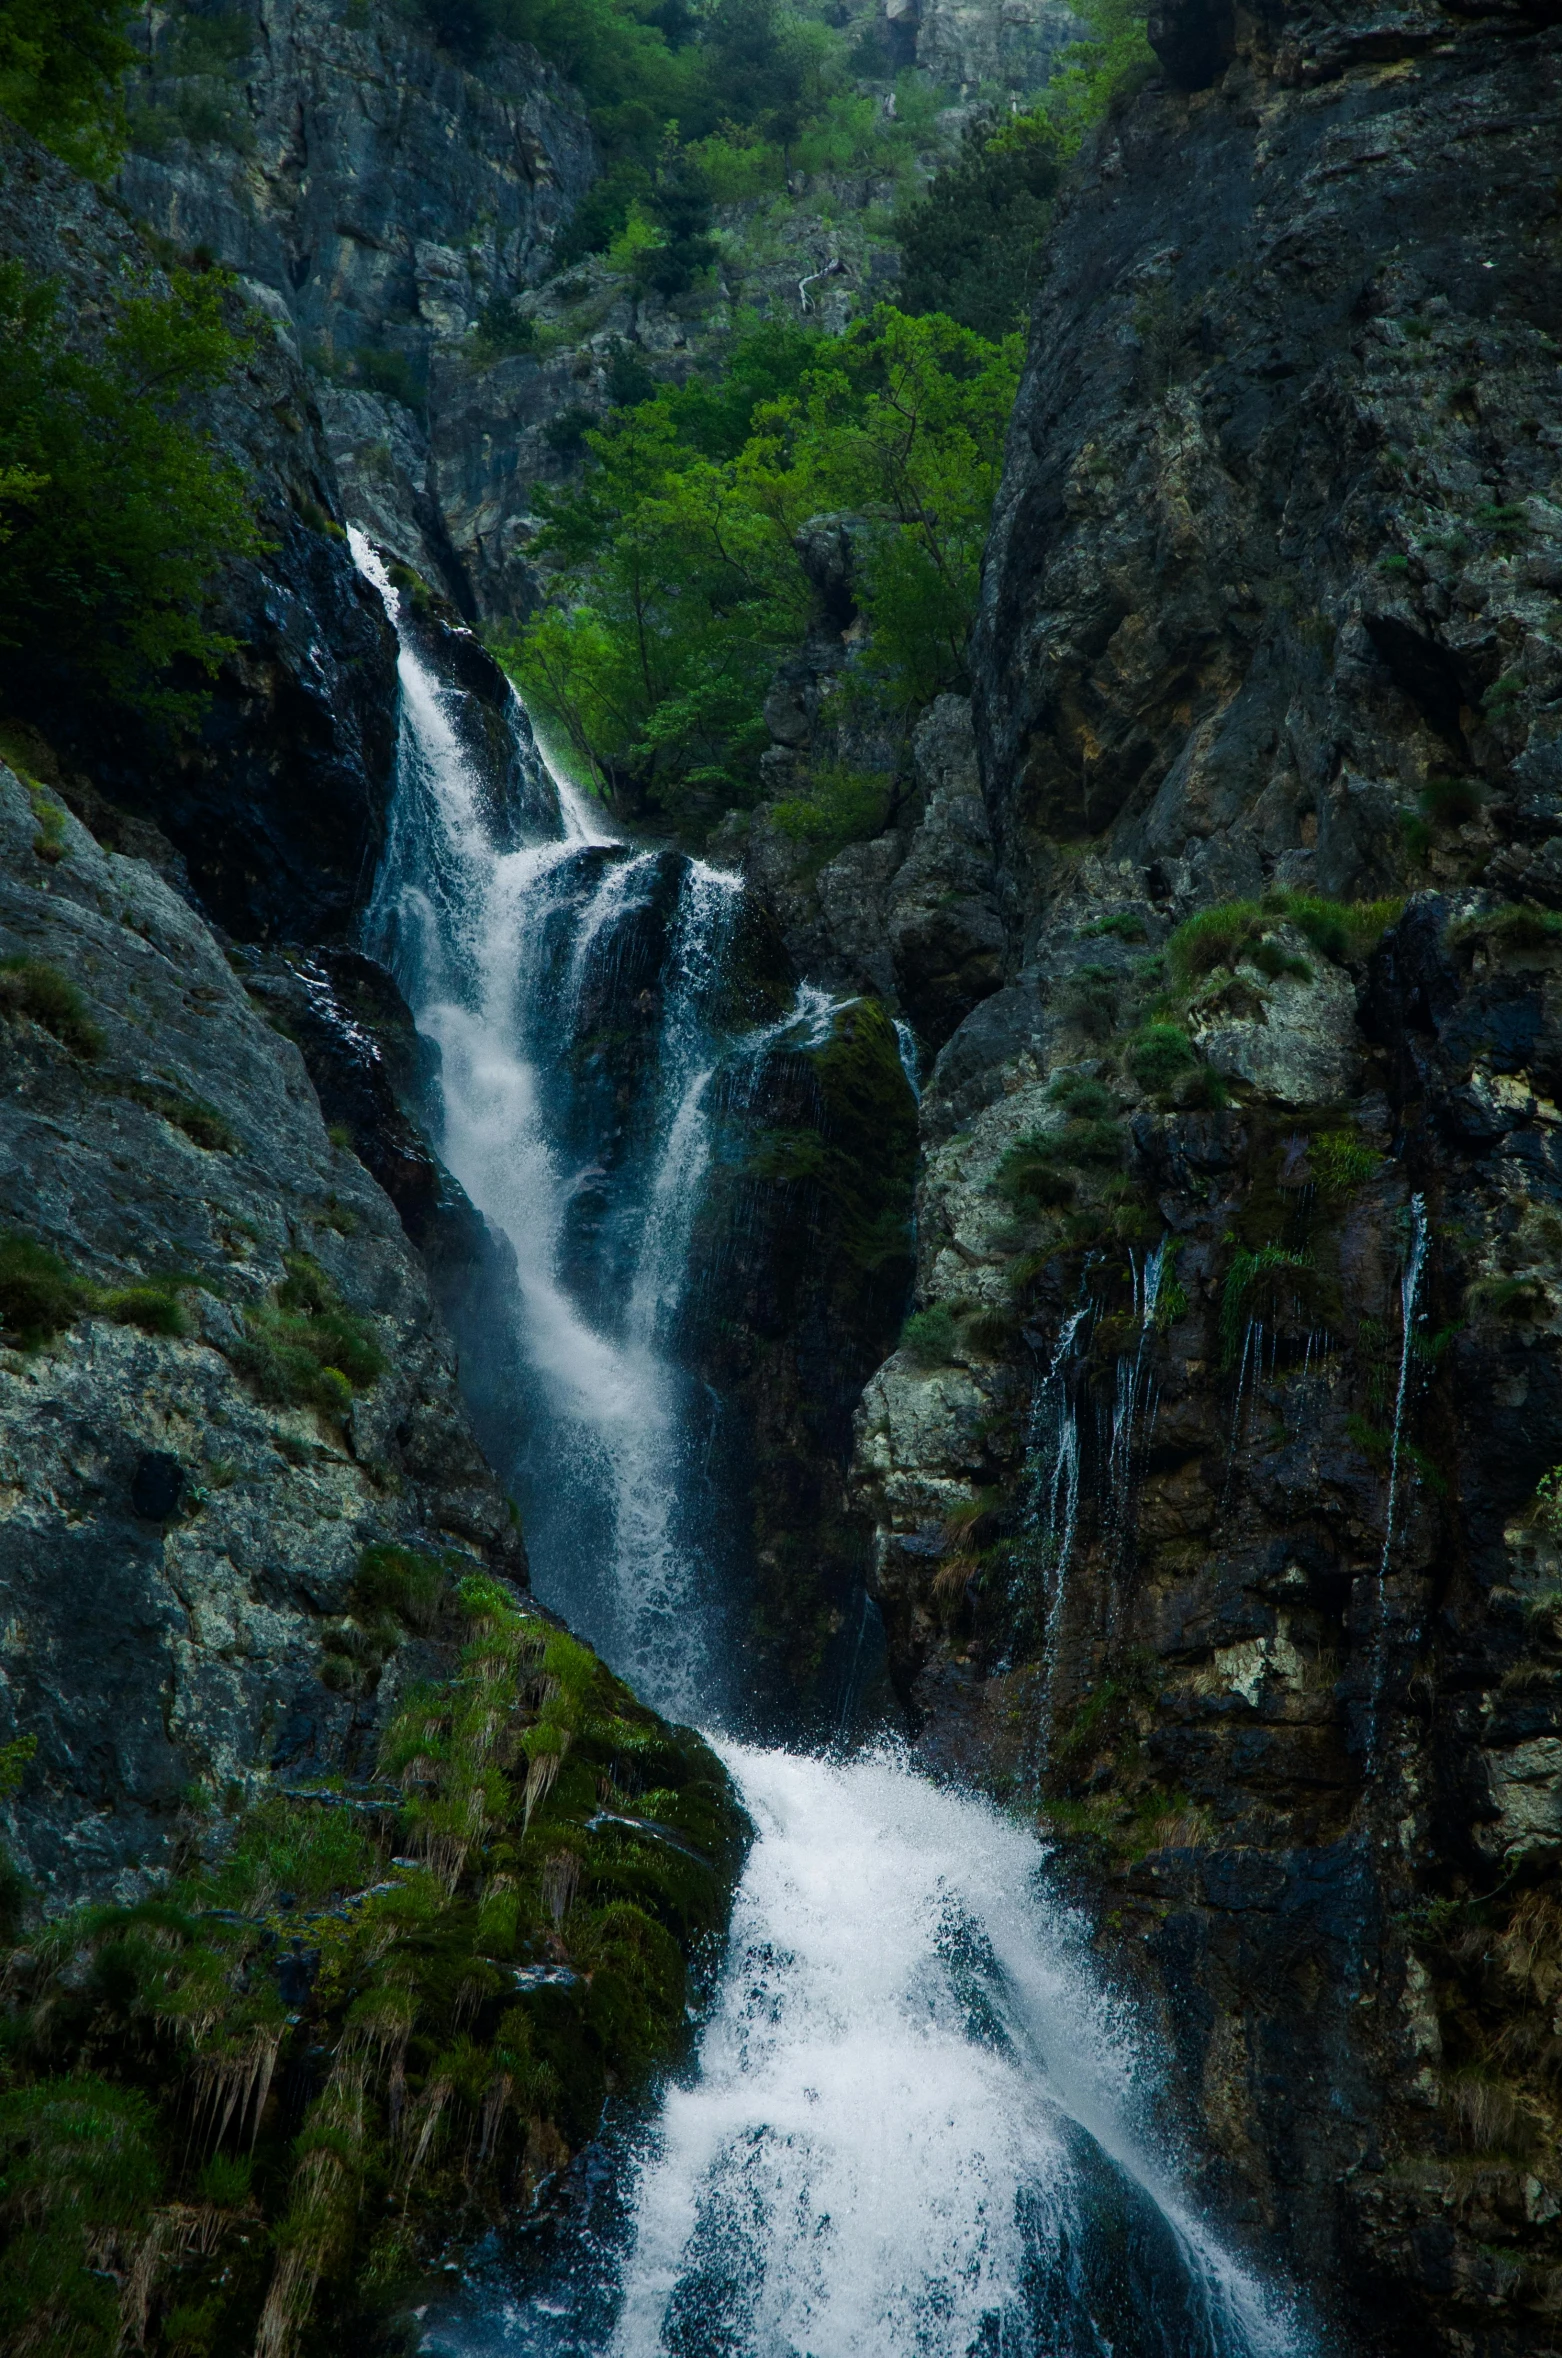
(59, 63)
(679, 581)
(114, 509)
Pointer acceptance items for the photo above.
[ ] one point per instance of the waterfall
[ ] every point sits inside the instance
(1409, 1287)
(1133, 1410)
(914, 2121)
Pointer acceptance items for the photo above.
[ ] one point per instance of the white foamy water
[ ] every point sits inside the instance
(916, 2125)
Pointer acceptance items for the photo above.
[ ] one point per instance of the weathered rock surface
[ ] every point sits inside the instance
(1211, 1503)
(174, 1546)
(278, 805)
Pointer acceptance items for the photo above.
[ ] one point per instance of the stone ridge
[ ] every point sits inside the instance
(163, 1622)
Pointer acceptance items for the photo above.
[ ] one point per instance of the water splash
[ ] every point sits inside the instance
(918, 2124)
(1409, 1287)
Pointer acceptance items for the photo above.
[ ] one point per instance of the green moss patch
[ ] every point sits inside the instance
(372, 2019)
(32, 988)
(201, 1123)
(1241, 931)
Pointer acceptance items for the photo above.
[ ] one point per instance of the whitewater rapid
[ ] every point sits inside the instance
(914, 2123)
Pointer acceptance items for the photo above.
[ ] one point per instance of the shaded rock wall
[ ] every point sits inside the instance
(176, 1545)
(277, 805)
(1243, 1575)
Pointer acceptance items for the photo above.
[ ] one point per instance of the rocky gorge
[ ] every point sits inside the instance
(1119, 1313)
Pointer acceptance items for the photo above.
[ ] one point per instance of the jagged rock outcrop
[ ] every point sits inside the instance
(277, 803)
(1211, 1483)
(909, 915)
(187, 1501)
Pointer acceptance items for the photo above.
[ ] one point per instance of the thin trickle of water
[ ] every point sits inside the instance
(1051, 1516)
(1133, 1409)
(906, 1042)
(1409, 1287)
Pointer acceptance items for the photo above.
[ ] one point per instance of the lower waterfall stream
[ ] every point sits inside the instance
(913, 2121)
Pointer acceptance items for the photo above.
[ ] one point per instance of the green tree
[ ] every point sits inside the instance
(59, 63)
(678, 582)
(115, 509)
(971, 244)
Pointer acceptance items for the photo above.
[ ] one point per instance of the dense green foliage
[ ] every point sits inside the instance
(227, 2112)
(115, 511)
(971, 244)
(679, 579)
(59, 63)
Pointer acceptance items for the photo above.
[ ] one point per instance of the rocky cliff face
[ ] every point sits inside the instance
(188, 1499)
(1211, 1484)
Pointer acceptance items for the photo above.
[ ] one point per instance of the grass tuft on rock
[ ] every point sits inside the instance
(39, 1295)
(31, 987)
(1236, 931)
(306, 1348)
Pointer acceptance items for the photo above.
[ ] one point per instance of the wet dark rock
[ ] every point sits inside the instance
(157, 1485)
(277, 807)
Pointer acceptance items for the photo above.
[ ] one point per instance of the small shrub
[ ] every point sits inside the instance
(1089, 997)
(1123, 924)
(307, 1348)
(1251, 1273)
(503, 328)
(1504, 1297)
(31, 987)
(928, 1337)
(201, 1123)
(566, 434)
(39, 1295)
(156, 1309)
(1488, 2117)
(1084, 1098)
(1513, 927)
(1376, 1444)
(1450, 802)
(1224, 935)
(842, 806)
(1160, 1055)
(1341, 1161)
(400, 1581)
(49, 842)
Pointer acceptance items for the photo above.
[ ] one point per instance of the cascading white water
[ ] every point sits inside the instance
(914, 2123)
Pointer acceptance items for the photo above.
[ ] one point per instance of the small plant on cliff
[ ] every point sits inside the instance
(307, 1348)
(1159, 1056)
(32, 987)
(930, 1337)
(1233, 931)
(39, 1295)
(1514, 927)
(1259, 1280)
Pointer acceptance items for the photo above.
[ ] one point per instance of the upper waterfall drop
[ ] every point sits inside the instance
(914, 2123)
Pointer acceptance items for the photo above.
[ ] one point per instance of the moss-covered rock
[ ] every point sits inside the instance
(255, 2107)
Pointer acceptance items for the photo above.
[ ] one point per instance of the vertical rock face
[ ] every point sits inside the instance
(376, 188)
(1212, 1485)
(277, 805)
(186, 1501)
(375, 192)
